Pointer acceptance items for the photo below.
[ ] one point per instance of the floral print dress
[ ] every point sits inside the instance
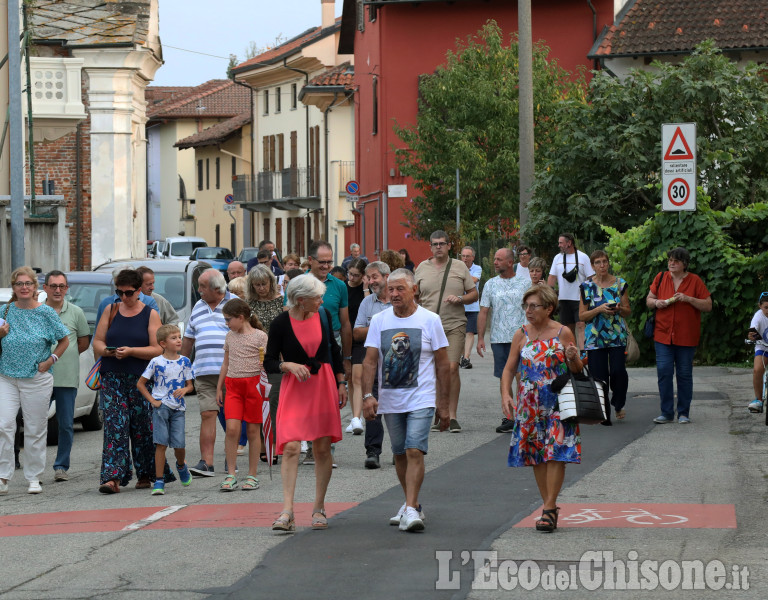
(538, 435)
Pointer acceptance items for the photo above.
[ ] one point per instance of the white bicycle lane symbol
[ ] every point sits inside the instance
(636, 516)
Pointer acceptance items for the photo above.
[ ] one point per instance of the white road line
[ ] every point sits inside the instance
(160, 514)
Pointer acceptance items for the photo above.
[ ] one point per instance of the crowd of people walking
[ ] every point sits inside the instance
(279, 351)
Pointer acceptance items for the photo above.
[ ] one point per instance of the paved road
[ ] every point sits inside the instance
(220, 545)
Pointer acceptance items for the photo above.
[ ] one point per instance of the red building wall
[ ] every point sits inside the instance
(408, 40)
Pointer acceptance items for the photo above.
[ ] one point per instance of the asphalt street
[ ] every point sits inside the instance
(72, 542)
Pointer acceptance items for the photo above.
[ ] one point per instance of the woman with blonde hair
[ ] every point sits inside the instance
(28, 329)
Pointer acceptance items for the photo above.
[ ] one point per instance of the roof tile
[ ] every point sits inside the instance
(342, 75)
(215, 134)
(213, 99)
(647, 27)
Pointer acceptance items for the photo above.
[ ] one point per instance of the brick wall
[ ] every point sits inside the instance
(58, 160)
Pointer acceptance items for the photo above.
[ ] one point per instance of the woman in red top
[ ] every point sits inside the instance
(679, 298)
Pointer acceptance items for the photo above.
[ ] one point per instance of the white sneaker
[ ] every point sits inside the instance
(3, 487)
(396, 519)
(357, 425)
(411, 521)
(304, 447)
(34, 488)
(349, 427)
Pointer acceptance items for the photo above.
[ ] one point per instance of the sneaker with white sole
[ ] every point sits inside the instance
(309, 458)
(396, 519)
(3, 487)
(159, 488)
(202, 469)
(34, 488)
(411, 520)
(357, 426)
(349, 427)
(60, 475)
(756, 406)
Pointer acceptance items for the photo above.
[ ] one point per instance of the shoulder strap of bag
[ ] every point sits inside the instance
(445, 280)
(327, 328)
(112, 313)
(7, 308)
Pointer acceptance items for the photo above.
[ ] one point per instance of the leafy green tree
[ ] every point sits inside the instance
(468, 119)
(735, 275)
(603, 168)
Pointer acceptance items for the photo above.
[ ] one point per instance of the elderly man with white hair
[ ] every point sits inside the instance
(407, 345)
(354, 252)
(206, 331)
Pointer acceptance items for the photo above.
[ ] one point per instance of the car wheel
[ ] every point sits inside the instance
(52, 437)
(94, 420)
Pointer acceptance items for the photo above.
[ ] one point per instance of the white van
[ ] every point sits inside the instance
(180, 248)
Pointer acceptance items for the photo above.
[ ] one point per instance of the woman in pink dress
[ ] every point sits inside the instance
(314, 389)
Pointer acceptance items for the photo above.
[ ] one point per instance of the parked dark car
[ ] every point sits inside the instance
(216, 256)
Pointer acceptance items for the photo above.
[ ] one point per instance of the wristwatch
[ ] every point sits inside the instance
(365, 396)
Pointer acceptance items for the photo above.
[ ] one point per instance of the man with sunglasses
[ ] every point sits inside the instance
(447, 293)
(67, 370)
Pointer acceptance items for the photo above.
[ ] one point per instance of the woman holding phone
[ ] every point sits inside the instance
(126, 340)
(604, 305)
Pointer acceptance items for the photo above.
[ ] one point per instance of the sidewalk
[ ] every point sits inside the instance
(717, 460)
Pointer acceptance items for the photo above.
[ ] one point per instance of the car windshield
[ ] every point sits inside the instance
(248, 254)
(88, 296)
(214, 253)
(185, 248)
(171, 287)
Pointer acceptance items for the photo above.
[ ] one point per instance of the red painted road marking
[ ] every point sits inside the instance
(667, 516)
(191, 517)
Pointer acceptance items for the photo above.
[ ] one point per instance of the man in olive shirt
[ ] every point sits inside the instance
(447, 297)
(66, 372)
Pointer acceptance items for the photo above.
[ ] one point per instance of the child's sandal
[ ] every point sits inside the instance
(250, 483)
(229, 483)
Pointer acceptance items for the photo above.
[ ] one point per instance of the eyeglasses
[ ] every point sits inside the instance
(439, 244)
(24, 284)
(126, 293)
(58, 286)
(323, 262)
(524, 254)
(531, 306)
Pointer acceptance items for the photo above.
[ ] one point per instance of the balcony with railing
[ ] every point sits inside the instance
(288, 189)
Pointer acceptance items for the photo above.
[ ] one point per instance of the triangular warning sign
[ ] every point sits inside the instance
(678, 148)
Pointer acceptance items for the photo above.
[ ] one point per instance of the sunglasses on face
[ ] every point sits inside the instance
(126, 293)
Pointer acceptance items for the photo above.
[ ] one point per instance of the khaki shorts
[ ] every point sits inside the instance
(456, 343)
(205, 385)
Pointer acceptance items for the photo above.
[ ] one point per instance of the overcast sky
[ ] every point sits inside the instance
(224, 27)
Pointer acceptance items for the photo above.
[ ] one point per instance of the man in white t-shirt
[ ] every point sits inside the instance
(406, 345)
(569, 269)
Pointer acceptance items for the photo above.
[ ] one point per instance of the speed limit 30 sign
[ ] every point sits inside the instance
(678, 166)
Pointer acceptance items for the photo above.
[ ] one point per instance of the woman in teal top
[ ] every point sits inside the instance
(604, 305)
(27, 331)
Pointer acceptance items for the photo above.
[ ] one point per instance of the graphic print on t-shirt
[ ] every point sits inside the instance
(401, 349)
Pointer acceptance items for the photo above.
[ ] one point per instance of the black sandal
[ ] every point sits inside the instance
(548, 520)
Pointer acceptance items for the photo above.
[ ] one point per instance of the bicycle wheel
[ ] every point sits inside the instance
(765, 394)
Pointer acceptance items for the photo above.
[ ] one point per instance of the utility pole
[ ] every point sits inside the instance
(16, 139)
(525, 57)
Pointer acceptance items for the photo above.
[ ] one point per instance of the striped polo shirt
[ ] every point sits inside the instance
(209, 330)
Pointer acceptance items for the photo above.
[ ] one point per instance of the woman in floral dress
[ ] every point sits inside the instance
(541, 351)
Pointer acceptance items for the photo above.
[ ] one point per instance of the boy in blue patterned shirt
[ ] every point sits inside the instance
(172, 377)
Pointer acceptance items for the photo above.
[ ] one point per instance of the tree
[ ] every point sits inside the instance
(603, 168)
(468, 119)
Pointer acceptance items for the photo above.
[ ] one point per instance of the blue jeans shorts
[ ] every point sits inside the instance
(168, 427)
(409, 430)
(500, 356)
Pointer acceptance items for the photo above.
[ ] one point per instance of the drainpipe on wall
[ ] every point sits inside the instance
(78, 197)
(327, 167)
(594, 29)
(253, 163)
